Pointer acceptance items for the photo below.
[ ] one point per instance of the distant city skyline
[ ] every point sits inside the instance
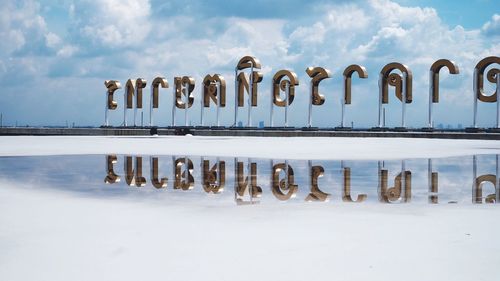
(55, 55)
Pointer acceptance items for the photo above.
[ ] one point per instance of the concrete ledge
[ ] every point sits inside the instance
(114, 131)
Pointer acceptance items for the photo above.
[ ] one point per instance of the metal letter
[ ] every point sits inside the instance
(362, 73)
(155, 97)
(317, 75)
(434, 82)
(402, 84)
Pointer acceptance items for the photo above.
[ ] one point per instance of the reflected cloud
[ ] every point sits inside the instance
(468, 179)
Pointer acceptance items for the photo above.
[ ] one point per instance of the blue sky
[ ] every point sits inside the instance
(55, 55)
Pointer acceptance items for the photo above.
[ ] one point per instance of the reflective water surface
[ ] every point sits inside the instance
(244, 181)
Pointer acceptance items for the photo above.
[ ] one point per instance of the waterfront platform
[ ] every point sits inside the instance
(256, 132)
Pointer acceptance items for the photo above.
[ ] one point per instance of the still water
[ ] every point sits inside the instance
(244, 181)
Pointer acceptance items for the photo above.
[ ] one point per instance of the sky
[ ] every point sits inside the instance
(56, 54)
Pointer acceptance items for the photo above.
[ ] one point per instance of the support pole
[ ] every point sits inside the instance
(106, 121)
(431, 91)
(173, 105)
(249, 186)
(287, 92)
(380, 83)
(403, 179)
(235, 97)
(474, 120)
(342, 117)
(218, 103)
(135, 109)
(309, 119)
(202, 109)
(249, 123)
(186, 105)
(404, 93)
(125, 108)
(271, 121)
(474, 175)
(498, 100)
(151, 108)
(497, 187)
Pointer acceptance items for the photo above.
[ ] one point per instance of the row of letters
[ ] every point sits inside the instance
(282, 180)
(214, 87)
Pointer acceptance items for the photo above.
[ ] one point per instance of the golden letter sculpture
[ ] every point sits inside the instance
(346, 191)
(214, 178)
(316, 172)
(133, 88)
(286, 85)
(493, 76)
(128, 98)
(244, 184)
(286, 188)
(403, 88)
(348, 72)
(183, 174)
(317, 75)
(214, 88)
(157, 182)
(133, 176)
(184, 87)
(434, 82)
(243, 83)
(140, 84)
(111, 176)
(402, 186)
(155, 95)
(111, 104)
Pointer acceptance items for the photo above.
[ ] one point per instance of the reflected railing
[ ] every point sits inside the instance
(393, 181)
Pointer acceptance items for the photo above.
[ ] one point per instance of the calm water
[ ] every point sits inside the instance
(243, 181)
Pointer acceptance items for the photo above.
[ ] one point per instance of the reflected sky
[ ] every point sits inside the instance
(244, 181)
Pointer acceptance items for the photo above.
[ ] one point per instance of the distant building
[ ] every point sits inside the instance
(240, 124)
(459, 126)
(261, 124)
(440, 126)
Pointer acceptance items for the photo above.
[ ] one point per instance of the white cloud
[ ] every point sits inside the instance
(492, 27)
(20, 24)
(67, 51)
(122, 39)
(112, 23)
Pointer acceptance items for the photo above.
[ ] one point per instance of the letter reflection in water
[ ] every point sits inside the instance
(316, 194)
(133, 175)
(285, 188)
(157, 183)
(111, 176)
(432, 183)
(477, 190)
(402, 185)
(214, 178)
(346, 192)
(246, 185)
(183, 174)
